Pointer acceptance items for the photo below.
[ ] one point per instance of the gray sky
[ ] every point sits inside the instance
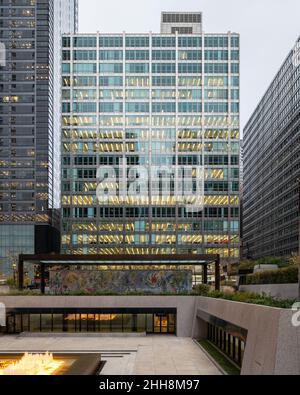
(268, 28)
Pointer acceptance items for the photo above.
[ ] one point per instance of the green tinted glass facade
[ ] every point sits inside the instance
(150, 100)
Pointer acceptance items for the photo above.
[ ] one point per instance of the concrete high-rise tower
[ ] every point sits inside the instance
(30, 36)
(272, 166)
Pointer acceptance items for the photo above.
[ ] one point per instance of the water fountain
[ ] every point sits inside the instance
(33, 365)
(48, 364)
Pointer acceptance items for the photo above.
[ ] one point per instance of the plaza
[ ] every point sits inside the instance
(257, 339)
(140, 355)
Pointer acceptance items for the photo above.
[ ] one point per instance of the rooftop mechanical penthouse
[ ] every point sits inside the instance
(132, 103)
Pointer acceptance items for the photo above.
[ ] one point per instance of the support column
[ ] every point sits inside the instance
(217, 275)
(21, 273)
(240, 352)
(43, 285)
(204, 271)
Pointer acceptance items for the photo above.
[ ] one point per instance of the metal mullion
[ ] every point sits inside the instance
(124, 164)
(203, 129)
(150, 130)
(98, 128)
(239, 352)
(176, 136)
(229, 181)
(234, 348)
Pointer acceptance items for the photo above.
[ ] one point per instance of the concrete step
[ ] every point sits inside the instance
(82, 334)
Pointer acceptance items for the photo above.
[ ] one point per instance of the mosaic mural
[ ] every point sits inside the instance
(63, 282)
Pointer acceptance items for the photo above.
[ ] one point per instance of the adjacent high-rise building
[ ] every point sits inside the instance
(30, 37)
(150, 101)
(272, 166)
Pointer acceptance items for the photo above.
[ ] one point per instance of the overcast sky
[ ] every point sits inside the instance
(268, 28)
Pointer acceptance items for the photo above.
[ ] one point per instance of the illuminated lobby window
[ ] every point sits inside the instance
(162, 322)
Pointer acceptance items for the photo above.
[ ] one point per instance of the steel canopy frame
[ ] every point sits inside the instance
(48, 260)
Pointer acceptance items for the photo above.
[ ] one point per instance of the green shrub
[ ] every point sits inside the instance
(11, 282)
(246, 265)
(201, 290)
(248, 297)
(269, 260)
(25, 292)
(221, 360)
(217, 294)
(272, 260)
(287, 275)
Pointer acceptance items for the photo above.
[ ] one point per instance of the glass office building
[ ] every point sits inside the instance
(30, 34)
(150, 100)
(271, 166)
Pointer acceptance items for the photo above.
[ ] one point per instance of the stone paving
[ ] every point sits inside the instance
(149, 355)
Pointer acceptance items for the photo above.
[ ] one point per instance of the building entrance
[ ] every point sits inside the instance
(92, 321)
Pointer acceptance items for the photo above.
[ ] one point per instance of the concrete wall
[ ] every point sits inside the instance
(281, 291)
(4, 289)
(185, 305)
(288, 346)
(272, 343)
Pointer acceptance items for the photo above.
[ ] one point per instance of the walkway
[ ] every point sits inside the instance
(149, 355)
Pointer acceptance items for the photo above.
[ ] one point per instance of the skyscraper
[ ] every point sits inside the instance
(271, 166)
(168, 100)
(30, 33)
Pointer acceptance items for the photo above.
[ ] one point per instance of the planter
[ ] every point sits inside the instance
(279, 291)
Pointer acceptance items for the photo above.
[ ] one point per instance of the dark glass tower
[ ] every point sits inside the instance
(30, 32)
(272, 166)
